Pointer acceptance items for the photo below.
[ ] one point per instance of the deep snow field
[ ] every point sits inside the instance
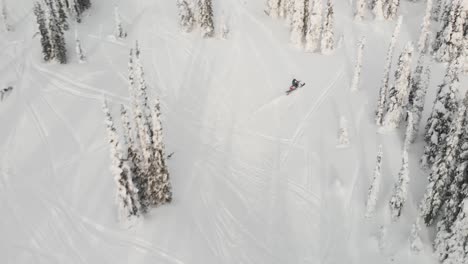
(257, 176)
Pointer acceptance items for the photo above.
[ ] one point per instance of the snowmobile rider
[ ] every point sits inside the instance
(295, 84)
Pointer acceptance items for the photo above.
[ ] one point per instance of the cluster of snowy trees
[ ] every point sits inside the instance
(137, 151)
(52, 20)
(445, 203)
(381, 9)
(312, 28)
(201, 15)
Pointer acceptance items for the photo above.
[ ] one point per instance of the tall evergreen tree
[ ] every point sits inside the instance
(448, 43)
(164, 192)
(442, 172)
(443, 111)
(457, 180)
(343, 137)
(127, 204)
(374, 189)
(78, 7)
(119, 30)
(425, 29)
(44, 31)
(61, 14)
(314, 26)
(328, 30)
(59, 50)
(186, 19)
(457, 250)
(398, 94)
(382, 103)
(358, 67)
(377, 9)
(79, 50)
(437, 9)
(415, 240)
(134, 160)
(205, 17)
(401, 187)
(143, 98)
(298, 27)
(417, 97)
(390, 8)
(273, 8)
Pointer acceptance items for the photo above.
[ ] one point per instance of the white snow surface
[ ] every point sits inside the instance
(256, 174)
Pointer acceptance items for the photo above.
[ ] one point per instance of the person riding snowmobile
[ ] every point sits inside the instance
(295, 84)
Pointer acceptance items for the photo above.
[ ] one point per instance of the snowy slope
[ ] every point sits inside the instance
(257, 176)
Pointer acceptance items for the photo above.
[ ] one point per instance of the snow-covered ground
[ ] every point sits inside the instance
(257, 175)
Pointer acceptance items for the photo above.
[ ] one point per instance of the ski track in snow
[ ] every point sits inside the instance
(300, 128)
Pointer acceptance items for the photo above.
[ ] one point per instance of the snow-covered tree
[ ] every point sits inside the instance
(314, 26)
(78, 7)
(416, 244)
(134, 160)
(5, 17)
(57, 38)
(79, 51)
(119, 30)
(360, 9)
(142, 110)
(186, 18)
(298, 27)
(44, 31)
(425, 29)
(457, 181)
(448, 42)
(374, 189)
(400, 190)
(164, 193)
(358, 66)
(381, 105)
(273, 8)
(61, 14)
(282, 8)
(437, 9)
(442, 171)
(390, 8)
(224, 27)
(126, 192)
(442, 115)
(398, 94)
(343, 137)
(328, 30)
(377, 9)
(457, 241)
(417, 97)
(205, 17)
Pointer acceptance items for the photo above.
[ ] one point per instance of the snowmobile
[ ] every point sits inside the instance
(294, 86)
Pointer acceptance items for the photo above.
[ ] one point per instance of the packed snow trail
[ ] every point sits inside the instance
(257, 177)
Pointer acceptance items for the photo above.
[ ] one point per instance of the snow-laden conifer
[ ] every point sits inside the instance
(186, 18)
(374, 189)
(358, 66)
(205, 17)
(398, 94)
(128, 206)
(328, 30)
(119, 30)
(382, 102)
(314, 26)
(442, 115)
